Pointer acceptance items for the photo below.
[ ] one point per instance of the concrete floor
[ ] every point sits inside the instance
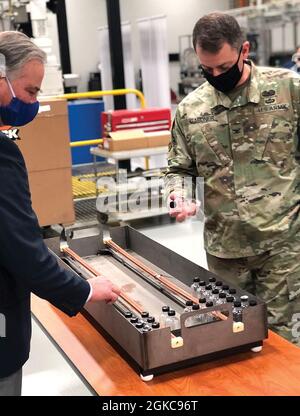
(185, 238)
(48, 373)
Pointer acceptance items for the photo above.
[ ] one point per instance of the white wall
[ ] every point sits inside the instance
(53, 34)
(181, 14)
(181, 18)
(283, 38)
(84, 16)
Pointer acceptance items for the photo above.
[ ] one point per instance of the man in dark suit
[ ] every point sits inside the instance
(26, 266)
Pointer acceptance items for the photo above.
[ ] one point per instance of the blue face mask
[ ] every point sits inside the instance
(18, 113)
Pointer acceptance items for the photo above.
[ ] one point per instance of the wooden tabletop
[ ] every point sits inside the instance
(274, 371)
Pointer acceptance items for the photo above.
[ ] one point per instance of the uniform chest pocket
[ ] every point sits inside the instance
(209, 152)
(276, 141)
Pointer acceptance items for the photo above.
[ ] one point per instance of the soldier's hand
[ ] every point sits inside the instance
(103, 289)
(181, 208)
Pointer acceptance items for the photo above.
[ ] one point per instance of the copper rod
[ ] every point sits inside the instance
(132, 303)
(80, 260)
(177, 289)
(131, 258)
(152, 273)
(157, 276)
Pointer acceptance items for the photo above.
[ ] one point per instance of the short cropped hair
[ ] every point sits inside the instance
(214, 29)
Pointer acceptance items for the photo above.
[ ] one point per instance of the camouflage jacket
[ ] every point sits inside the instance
(246, 151)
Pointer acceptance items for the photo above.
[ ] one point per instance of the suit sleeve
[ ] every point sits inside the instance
(23, 252)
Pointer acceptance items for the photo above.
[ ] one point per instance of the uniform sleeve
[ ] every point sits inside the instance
(182, 172)
(295, 87)
(23, 252)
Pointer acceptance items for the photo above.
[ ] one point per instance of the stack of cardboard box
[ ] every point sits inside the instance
(45, 145)
(133, 139)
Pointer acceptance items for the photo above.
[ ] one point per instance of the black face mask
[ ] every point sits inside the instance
(227, 81)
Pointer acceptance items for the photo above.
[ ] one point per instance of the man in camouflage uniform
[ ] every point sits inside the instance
(239, 132)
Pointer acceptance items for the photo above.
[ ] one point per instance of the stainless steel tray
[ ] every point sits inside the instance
(159, 350)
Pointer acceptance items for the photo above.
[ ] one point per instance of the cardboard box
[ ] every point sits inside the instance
(135, 139)
(45, 145)
(158, 138)
(52, 197)
(45, 142)
(125, 140)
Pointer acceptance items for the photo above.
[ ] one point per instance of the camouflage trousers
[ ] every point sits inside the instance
(274, 277)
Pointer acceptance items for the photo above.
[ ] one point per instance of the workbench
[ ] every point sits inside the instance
(272, 372)
(127, 154)
(161, 209)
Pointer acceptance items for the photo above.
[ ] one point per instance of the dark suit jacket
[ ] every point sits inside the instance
(26, 265)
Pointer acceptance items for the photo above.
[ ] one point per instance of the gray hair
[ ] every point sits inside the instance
(16, 49)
